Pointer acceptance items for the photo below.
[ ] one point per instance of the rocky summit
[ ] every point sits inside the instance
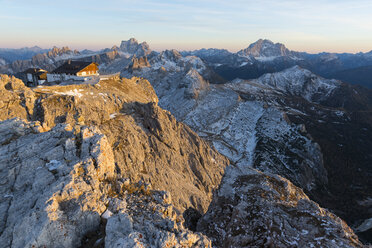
(266, 50)
(91, 145)
(148, 143)
(103, 165)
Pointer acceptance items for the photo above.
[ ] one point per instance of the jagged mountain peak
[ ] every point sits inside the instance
(56, 51)
(172, 54)
(132, 46)
(115, 48)
(264, 48)
(262, 42)
(133, 40)
(64, 48)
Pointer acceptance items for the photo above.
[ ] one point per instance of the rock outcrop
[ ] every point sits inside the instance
(60, 188)
(16, 100)
(255, 209)
(138, 63)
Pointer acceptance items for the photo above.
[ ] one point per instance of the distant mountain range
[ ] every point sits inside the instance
(264, 56)
(10, 55)
(259, 58)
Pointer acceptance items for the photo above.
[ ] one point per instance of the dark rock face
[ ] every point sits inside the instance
(342, 126)
(340, 121)
(255, 209)
(360, 75)
(191, 217)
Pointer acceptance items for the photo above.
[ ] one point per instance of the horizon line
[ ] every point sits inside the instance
(161, 47)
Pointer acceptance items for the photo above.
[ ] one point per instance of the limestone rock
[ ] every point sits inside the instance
(52, 208)
(149, 220)
(16, 99)
(58, 186)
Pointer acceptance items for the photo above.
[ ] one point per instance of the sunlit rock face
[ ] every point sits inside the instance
(53, 190)
(61, 186)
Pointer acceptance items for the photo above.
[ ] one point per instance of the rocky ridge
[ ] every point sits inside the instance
(187, 94)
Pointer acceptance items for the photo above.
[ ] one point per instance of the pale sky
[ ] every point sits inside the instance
(312, 26)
